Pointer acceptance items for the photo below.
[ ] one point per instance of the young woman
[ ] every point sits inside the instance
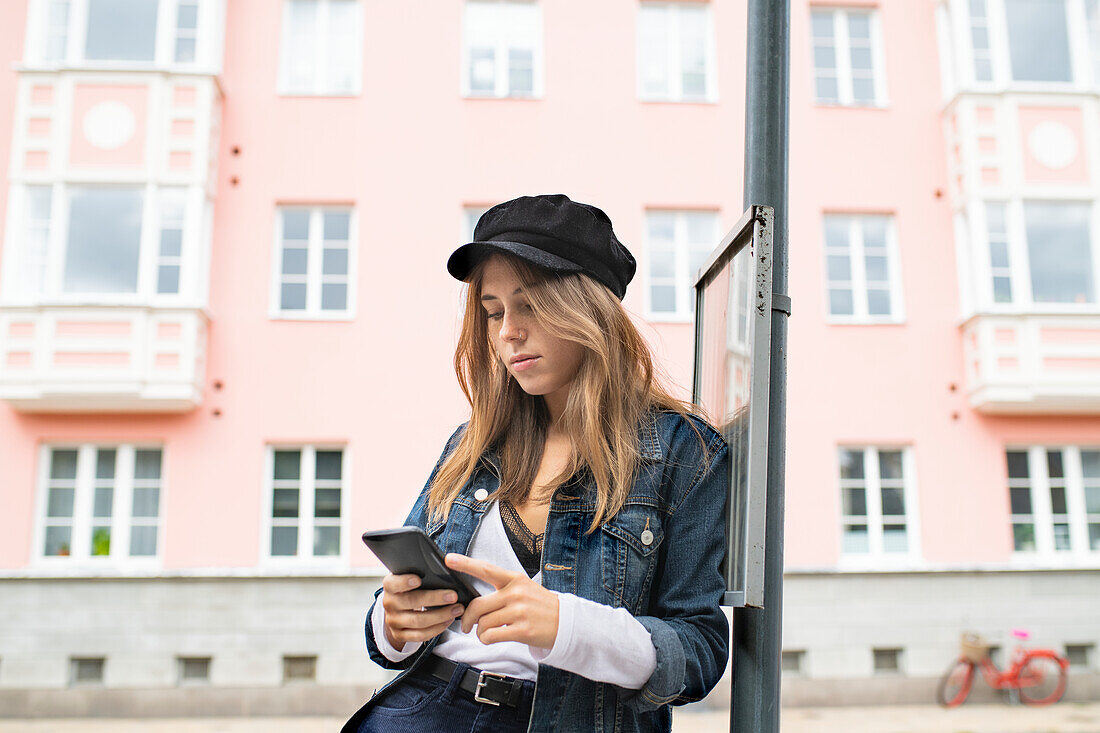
(586, 503)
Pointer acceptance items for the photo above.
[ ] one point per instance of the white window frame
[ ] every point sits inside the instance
(314, 263)
(685, 291)
(208, 34)
(80, 560)
(1044, 555)
(843, 54)
(876, 556)
(1019, 258)
(16, 289)
(306, 498)
(673, 56)
(500, 51)
(1083, 73)
(321, 60)
(859, 271)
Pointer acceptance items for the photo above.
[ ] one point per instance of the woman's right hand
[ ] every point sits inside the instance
(410, 615)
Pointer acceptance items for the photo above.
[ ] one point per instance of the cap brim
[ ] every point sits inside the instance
(466, 257)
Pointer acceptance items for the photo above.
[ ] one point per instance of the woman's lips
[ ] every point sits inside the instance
(519, 366)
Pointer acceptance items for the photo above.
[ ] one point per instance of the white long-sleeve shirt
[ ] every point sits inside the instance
(599, 642)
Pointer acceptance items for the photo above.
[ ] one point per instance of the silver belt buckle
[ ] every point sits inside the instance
(481, 683)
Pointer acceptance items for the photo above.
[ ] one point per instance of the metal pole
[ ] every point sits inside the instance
(758, 632)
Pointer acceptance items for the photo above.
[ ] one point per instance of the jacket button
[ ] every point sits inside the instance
(481, 494)
(647, 538)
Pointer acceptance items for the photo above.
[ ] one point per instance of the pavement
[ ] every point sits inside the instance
(1063, 717)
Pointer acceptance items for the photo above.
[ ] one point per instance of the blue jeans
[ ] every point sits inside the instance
(421, 702)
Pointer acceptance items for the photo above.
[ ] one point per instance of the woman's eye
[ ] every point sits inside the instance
(494, 316)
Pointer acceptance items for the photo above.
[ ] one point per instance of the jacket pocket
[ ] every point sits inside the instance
(628, 553)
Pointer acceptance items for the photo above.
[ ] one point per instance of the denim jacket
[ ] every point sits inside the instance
(672, 584)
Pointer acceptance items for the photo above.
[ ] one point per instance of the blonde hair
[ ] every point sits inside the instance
(615, 385)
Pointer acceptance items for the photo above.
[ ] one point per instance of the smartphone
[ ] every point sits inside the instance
(410, 550)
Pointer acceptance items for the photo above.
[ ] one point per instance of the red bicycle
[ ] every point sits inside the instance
(1034, 676)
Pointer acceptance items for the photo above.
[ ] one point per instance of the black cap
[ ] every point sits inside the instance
(553, 232)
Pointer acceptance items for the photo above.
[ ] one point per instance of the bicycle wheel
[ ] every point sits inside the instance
(955, 685)
(1042, 680)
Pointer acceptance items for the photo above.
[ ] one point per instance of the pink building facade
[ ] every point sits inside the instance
(226, 328)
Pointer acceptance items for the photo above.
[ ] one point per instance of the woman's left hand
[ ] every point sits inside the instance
(519, 610)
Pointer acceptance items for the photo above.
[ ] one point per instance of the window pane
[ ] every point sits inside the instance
(889, 464)
(341, 45)
(663, 298)
(1054, 464)
(824, 57)
(827, 89)
(334, 296)
(285, 503)
(288, 465)
(859, 26)
(876, 268)
(295, 224)
(863, 90)
(293, 296)
(326, 541)
(63, 464)
(983, 69)
(294, 261)
(1023, 537)
(57, 541)
(334, 262)
(1017, 464)
(187, 17)
(105, 463)
(1058, 500)
(171, 242)
(1061, 537)
(1094, 537)
(284, 541)
(329, 464)
(1092, 499)
(894, 538)
(878, 302)
(1090, 463)
(147, 464)
(121, 30)
(1059, 252)
(185, 50)
(300, 54)
(327, 503)
(1002, 290)
(855, 538)
(482, 73)
(143, 541)
(1020, 500)
(662, 263)
(822, 23)
(60, 503)
(893, 502)
(101, 542)
(521, 75)
(104, 501)
(840, 268)
(146, 502)
(841, 303)
(861, 59)
(836, 232)
(855, 502)
(104, 240)
(168, 279)
(851, 464)
(336, 225)
(1038, 40)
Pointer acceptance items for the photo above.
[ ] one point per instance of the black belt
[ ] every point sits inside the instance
(487, 687)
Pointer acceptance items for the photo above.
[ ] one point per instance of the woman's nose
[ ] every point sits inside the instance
(510, 328)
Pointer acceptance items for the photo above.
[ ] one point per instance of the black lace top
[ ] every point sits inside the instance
(526, 544)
